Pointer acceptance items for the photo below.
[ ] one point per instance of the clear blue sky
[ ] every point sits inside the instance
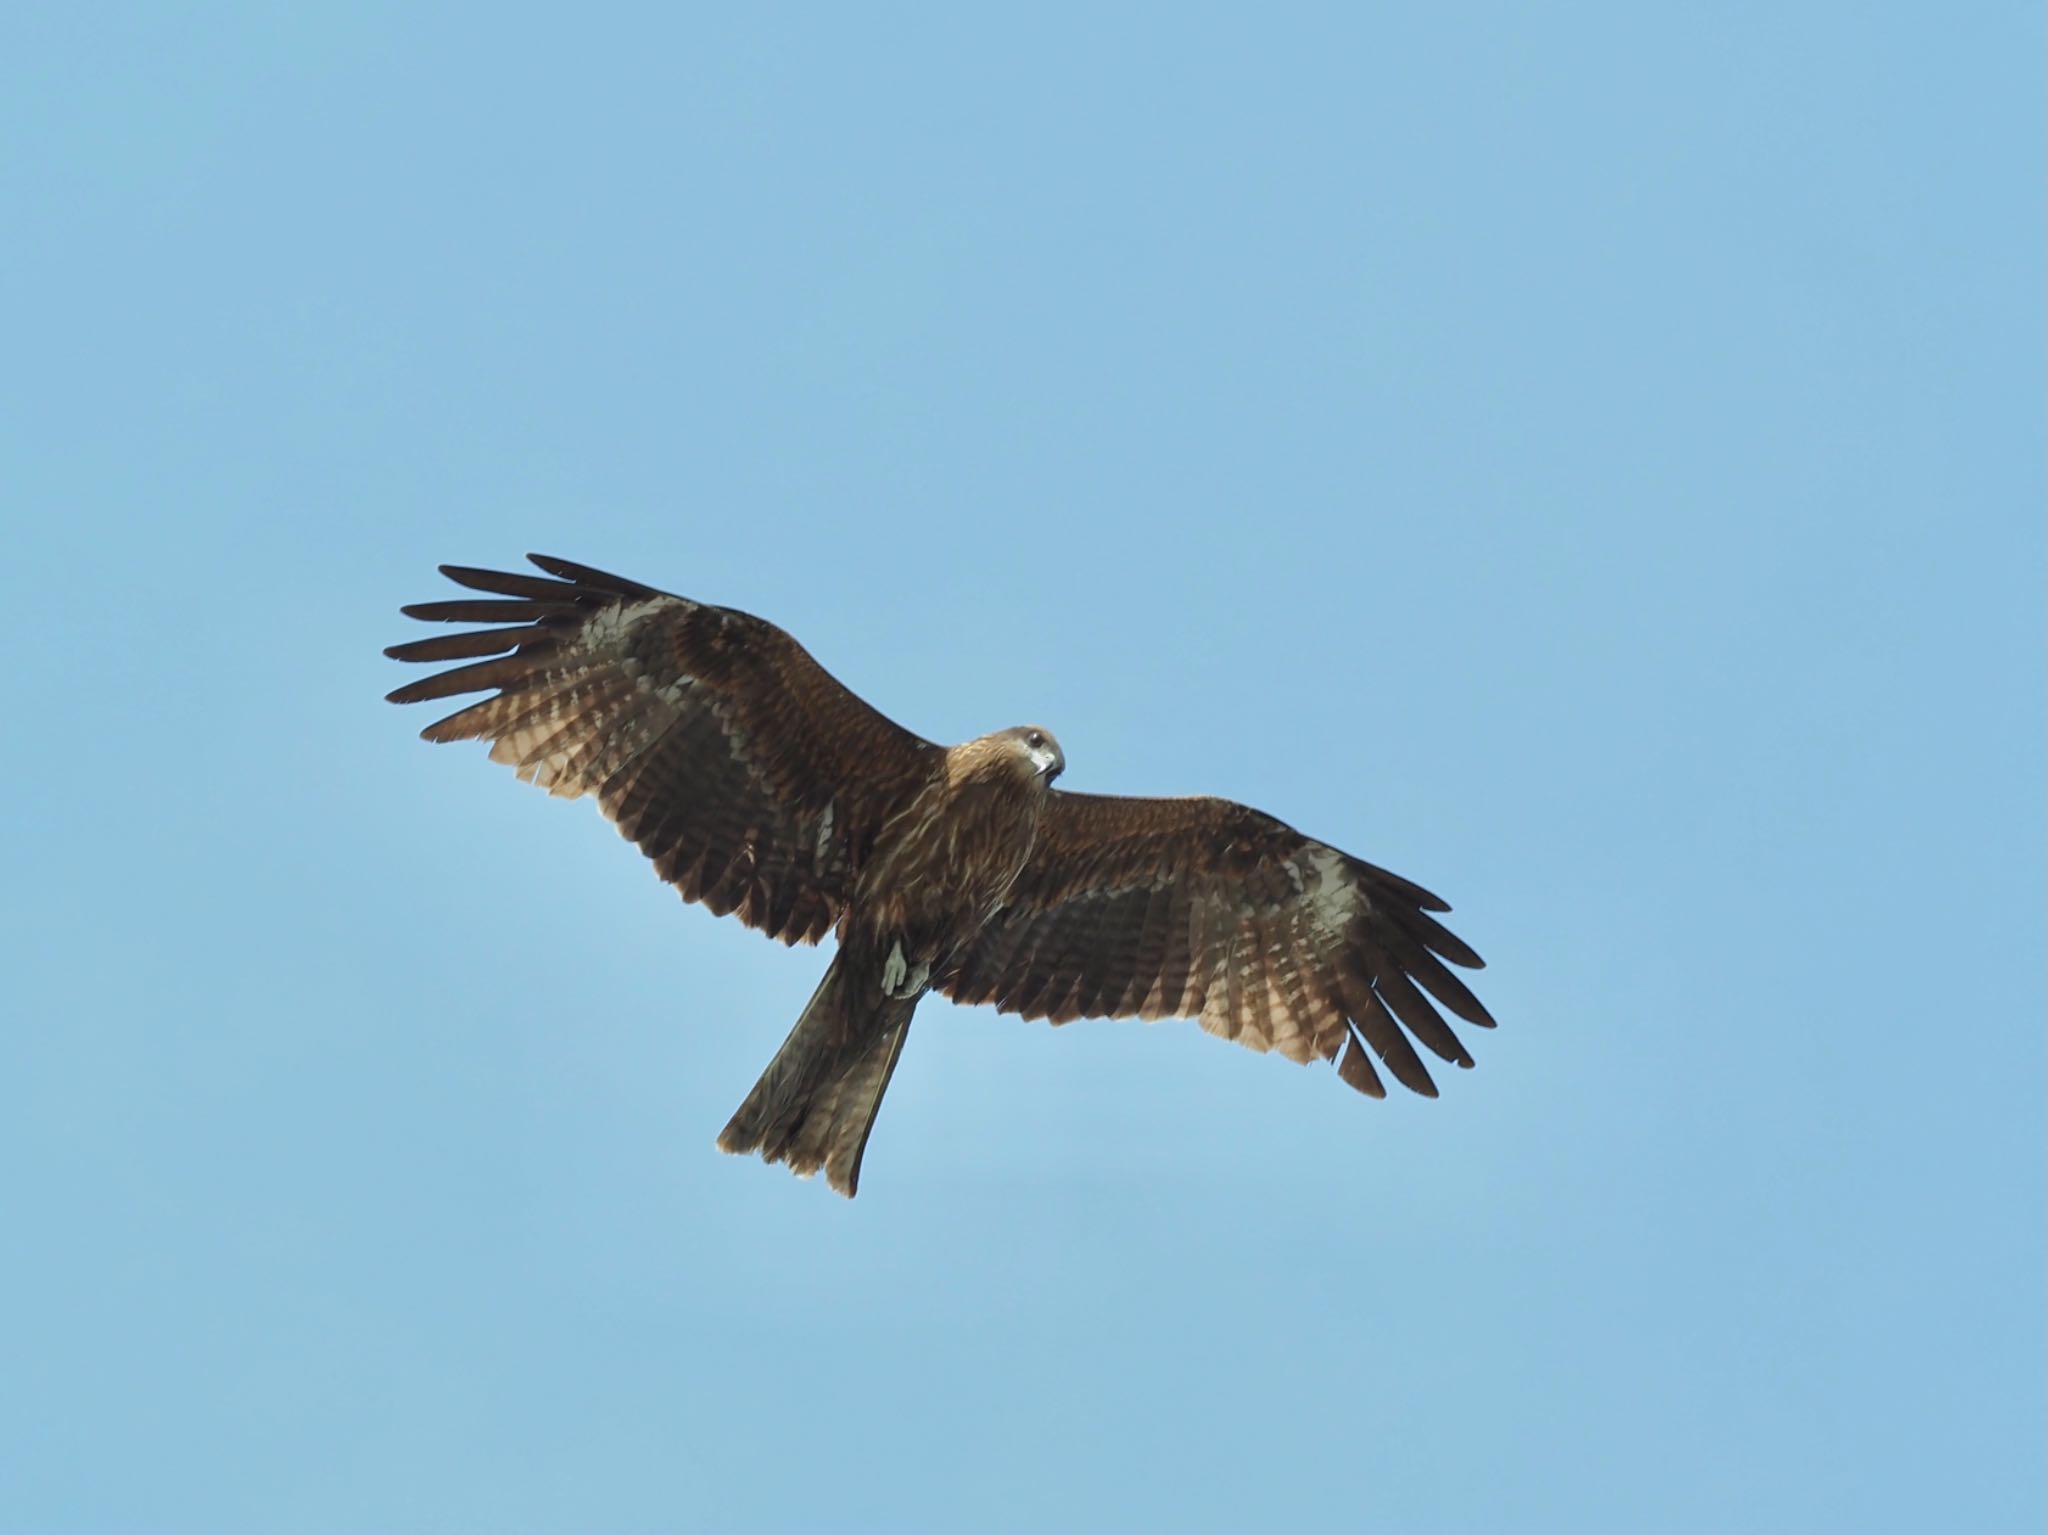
(1588, 459)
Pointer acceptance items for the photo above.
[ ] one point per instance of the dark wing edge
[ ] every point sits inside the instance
(1208, 909)
(751, 777)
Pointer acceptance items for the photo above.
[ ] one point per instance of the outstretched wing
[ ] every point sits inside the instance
(1207, 909)
(753, 779)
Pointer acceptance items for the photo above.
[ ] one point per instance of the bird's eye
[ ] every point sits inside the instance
(1035, 740)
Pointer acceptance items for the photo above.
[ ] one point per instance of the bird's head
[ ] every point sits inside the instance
(1038, 751)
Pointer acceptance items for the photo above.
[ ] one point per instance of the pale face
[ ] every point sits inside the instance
(1041, 751)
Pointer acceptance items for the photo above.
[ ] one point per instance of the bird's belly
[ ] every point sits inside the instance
(938, 881)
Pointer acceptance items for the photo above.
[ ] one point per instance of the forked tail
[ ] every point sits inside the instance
(816, 1102)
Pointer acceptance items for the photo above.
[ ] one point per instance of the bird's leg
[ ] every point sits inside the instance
(900, 978)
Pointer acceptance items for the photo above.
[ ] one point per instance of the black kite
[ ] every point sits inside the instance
(759, 785)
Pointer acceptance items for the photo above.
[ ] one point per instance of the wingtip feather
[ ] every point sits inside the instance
(1354, 1067)
(590, 576)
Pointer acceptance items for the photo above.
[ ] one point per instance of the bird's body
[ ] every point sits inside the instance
(942, 866)
(761, 786)
(939, 869)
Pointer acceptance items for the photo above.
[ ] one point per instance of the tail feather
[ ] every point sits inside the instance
(816, 1103)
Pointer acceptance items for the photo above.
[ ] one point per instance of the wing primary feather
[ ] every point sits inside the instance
(1394, 1050)
(507, 583)
(1413, 1009)
(502, 672)
(496, 719)
(477, 642)
(473, 722)
(585, 575)
(1354, 1067)
(1376, 1025)
(1440, 938)
(477, 611)
(1373, 874)
(1443, 984)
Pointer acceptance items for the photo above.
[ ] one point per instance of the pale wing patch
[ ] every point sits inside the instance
(609, 628)
(1257, 993)
(605, 709)
(1336, 898)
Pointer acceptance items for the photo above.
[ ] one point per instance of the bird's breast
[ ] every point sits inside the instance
(949, 859)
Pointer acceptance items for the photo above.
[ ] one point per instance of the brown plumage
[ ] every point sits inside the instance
(759, 785)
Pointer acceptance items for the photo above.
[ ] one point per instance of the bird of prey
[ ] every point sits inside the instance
(760, 785)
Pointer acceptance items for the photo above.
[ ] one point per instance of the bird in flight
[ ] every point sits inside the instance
(760, 785)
